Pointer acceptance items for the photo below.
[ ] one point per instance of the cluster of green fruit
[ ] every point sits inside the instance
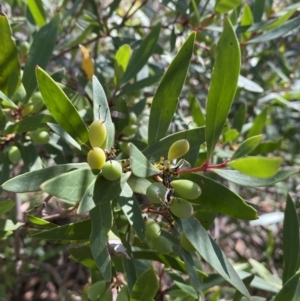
(96, 158)
(161, 243)
(186, 189)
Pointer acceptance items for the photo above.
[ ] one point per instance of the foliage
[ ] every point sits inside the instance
(210, 86)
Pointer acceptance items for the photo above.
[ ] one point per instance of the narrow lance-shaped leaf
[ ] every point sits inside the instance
(291, 243)
(258, 123)
(210, 252)
(288, 290)
(224, 6)
(121, 62)
(131, 209)
(101, 111)
(101, 218)
(245, 180)
(37, 11)
(140, 57)
(61, 108)
(140, 165)
(259, 167)
(40, 52)
(165, 100)
(9, 59)
(31, 181)
(246, 147)
(223, 85)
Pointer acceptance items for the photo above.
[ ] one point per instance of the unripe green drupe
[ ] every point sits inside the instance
(178, 149)
(97, 133)
(96, 158)
(161, 244)
(186, 188)
(14, 154)
(41, 137)
(96, 290)
(181, 208)
(156, 193)
(152, 228)
(112, 170)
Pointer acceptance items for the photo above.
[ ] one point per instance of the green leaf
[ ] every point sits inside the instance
(5, 170)
(41, 222)
(121, 62)
(160, 148)
(5, 206)
(247, 147)
(168, 260)
(191, 270)
(289, 288)
(259, 167)
(40, 53)
(101, 107)
(267, 147)
(37, 11)
(9, 225)
(211, 252)
(132, 211)
(238, 296)
(291, 243)
(61, 108)
(30, 123)
(223, 85)
(281, 20)
(138, 85)
(258, 123)
(138, 185)
(32, 160)
(83, 255)
(244, 180)
(196, 111)
(140, 57)
(101, 191)
(63, 134)
(123, 294)
(69, 186)
(165, 100)
(79, 231)
(8, 102)
(31, 181)
(224, 6)
(249, 85)
(140, 165)
(246, 21)
(9, 59)
(101, 218)
(239, 117)
(145, 288)
(277, 32)
(218, 198)
(258, 10)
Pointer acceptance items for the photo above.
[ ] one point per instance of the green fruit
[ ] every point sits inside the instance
(96, 290)
(97, 133)
(132, 118)
(178, 149)
(185, 243)
(187, 189)
(130, 130)
(24, 48)
(161, 245)
(27, 109)
(156, 193)
(152, 228)
(96, 158)
(40, 137)
(14, 154)
(112, 170)
(181, 208)
(37, 101)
